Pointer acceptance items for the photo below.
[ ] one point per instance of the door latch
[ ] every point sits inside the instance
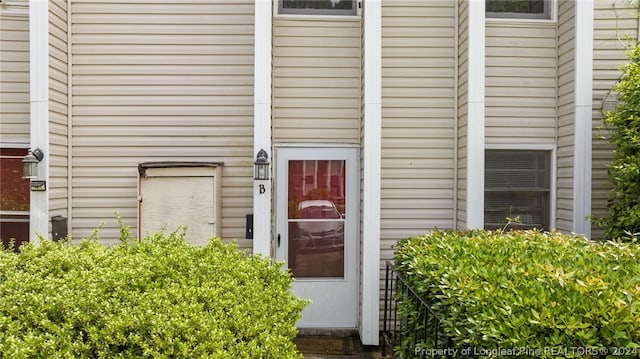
(278, 240)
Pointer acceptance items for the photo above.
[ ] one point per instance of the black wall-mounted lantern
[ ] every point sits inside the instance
(261, 165)
(30, 163)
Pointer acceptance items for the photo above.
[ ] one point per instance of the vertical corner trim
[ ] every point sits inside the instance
(39, 105)
(371, 157)
(476, 115)
(584, 14)
(262, 123)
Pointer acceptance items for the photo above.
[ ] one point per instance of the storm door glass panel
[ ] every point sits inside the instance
(316, 216)
(14, 198)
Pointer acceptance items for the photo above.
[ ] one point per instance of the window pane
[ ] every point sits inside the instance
(316, 218)
(517, 184)
(518, 8)
(531, 207)
(317, 7)
(517, 169)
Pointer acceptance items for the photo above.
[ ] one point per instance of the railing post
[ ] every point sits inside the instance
(384, 314)
(394, 327)
(425, 322)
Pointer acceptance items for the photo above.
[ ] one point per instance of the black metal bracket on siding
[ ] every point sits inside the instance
(142, 167)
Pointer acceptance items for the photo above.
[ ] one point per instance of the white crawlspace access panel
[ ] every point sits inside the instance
(180, 194)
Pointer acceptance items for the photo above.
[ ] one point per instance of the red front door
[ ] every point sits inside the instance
(14, 198)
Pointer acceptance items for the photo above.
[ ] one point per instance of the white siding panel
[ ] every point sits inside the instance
(160, 81)
(14, 72)
(613, 21)
(519, 57)
(316, 83)
(417, 118)
(58, 109)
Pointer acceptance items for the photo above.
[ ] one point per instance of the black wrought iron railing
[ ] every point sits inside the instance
(411, 329)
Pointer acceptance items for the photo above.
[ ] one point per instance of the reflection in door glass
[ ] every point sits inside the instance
(14, 190)
(316, 218)
(14, 198)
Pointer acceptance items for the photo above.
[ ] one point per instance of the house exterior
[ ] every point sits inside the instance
(380, 120)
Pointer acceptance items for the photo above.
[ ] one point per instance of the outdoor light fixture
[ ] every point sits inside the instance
(261, 165)
(30, 163)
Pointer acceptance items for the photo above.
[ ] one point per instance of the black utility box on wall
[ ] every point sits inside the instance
(58, 228)
(249, 227)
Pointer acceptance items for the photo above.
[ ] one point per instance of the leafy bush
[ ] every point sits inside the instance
(527, 289)
(624, 171)
(155, 298)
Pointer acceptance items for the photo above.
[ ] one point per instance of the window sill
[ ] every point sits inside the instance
(500, 22)
(348, 18)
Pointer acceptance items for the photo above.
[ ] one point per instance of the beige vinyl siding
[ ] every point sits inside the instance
(417, 119)
(461, 121)
(58, 108)
(316, 79)
(361, 172)
(160, 81)
(566, 115)
(520, 80)
(14, 73)
(613, 20)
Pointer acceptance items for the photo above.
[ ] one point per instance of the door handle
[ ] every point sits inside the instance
(278, 240)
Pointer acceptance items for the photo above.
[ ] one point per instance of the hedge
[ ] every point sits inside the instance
(158, 297)
(528, 290)
(623, 220)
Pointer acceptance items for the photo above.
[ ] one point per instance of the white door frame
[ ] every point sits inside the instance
(336, 301)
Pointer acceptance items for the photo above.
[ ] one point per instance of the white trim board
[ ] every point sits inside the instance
(583, 111)
(371, 173)
(262, 212)
(476, 116)
(39, 98)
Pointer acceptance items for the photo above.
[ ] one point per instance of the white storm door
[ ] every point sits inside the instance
(317, 206)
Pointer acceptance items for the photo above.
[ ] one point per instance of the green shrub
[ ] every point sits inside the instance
(623, 220)
(155, 298)
(527, 289)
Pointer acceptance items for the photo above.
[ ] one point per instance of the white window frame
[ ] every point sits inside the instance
(548, 15)
(552, 171)
(280, 10)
